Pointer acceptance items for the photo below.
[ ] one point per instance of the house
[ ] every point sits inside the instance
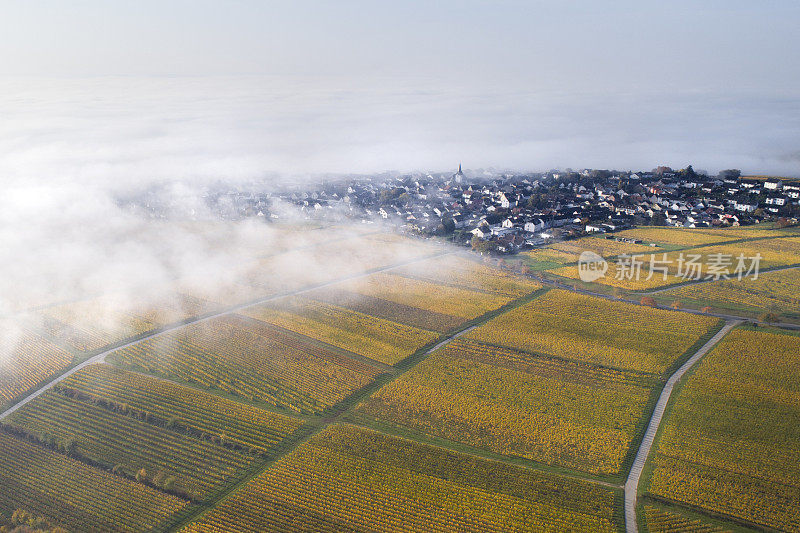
(746, 208)
(775, 200)
(481, 232)
(532, 226)
(505, 203)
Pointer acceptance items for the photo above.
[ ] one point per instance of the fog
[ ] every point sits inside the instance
(70, 147)
(122, 131)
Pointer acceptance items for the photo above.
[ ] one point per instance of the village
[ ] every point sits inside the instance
(503, 213)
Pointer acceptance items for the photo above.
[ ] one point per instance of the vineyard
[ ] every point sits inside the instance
(433, 297)
(527, 422)
(618, 276)
(600, 246)
(348, 479)
(773, 252)
(183, 408)
(598, 331)
(552, 411)
(366, 335)
(463, 273)
(114, 436)
(547, 257)
(678, 236)
(92, 324)
(386, 309)
(75, 496)
(27, 361)
(660, 520)
(731, 444)
(251, 359)
(773, 291)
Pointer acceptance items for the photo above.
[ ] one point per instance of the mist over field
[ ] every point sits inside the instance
(272, 93)
(70, 147)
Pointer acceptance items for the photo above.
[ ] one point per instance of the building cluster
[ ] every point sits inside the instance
(506, 212)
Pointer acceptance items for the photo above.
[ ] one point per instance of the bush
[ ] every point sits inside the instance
(769, 318)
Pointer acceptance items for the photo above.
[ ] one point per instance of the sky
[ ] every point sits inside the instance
(116, 92)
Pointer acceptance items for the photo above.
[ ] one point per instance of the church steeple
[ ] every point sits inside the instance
(458, 176)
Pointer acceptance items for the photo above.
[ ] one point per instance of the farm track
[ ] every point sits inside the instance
(635, 473)
(100, 357)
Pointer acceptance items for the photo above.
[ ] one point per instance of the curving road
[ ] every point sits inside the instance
(632, 483)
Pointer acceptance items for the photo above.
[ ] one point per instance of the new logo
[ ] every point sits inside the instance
(591, 266)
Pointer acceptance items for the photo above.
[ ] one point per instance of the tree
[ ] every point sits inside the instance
(448, 224)
(658, 219)
(141, 475)
(731, 173)
(677, 304)
(706, 309)
(485, 247)
(660, 171)
(68, 445)
(475, 242)
(769, 317)
(494, 218)
(648, 300)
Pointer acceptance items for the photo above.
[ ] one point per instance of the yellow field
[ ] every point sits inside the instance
(772, 291)
(351, 479)
(463, 273)
(556, 412)
(97, 322)
(596, 330)
(731, 444)
(425, 295)
(26, 360)
(366, 335)
(676, 236)
(251, 359)
(663, 521)
(550, 255)
(774, 252)
(640, 283)
(601, 246)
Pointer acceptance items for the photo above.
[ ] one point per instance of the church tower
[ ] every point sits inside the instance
(458, 177)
